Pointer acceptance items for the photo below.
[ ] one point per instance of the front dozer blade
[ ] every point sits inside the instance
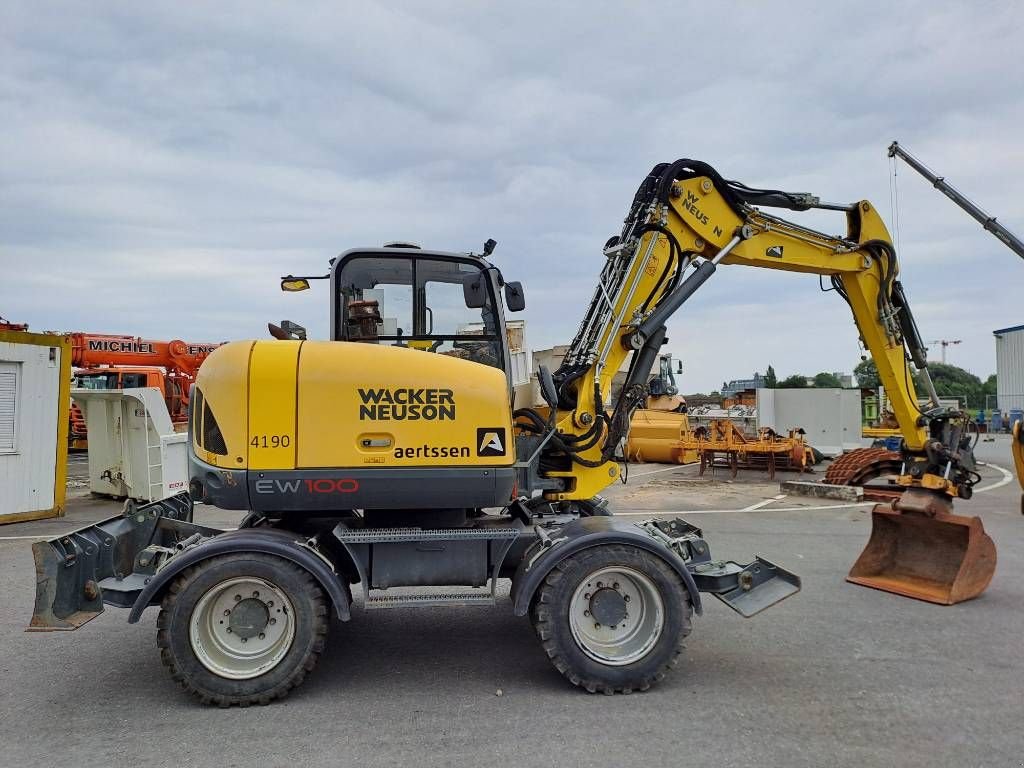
(919, 549)
(80, 571)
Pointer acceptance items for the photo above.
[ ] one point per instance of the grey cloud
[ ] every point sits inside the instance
(194, 152)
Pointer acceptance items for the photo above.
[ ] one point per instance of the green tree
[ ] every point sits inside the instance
(952, 381)
(796, 381)
(770, 380)
(988, 389)
(867, 374)
(824, 379)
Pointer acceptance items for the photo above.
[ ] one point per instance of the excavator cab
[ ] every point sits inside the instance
(435, 302)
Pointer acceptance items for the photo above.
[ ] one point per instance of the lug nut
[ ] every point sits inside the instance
(227, 612)
(262, 636)
(586, 613)
(626, 598)
(596, 625)
(245, 640)
(270, 603)
(273, 621)
(238, 598)
(600, 584)
(615, 585)
(255, 594)
(229, 630)
(586, 595)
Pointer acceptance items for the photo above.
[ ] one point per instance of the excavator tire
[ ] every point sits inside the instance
(242, 628)
(610, 581)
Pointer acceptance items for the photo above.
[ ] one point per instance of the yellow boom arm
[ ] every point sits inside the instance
(686, 216)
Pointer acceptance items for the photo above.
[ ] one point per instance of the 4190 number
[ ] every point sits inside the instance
(270, 441)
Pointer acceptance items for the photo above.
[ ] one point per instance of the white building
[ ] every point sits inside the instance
(1010, 368)
(35, 379)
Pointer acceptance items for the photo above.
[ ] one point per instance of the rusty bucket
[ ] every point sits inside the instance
(919, 549)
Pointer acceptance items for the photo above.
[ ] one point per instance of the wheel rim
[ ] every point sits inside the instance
(632, 611)
(242, 628)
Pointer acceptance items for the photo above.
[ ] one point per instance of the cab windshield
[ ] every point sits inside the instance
(417, 303)
(111, 380)
(96, 381)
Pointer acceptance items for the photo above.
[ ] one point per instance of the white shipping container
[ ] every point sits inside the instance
(830, 417)
(1010, 368)
(35, 374)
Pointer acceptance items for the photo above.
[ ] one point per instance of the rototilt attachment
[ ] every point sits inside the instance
(919, 549)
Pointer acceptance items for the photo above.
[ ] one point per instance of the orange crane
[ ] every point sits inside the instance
(125, 362)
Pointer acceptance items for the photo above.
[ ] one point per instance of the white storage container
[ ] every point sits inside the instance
(830, 417)
(35, 376)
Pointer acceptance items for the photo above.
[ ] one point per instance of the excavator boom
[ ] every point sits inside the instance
(685, 222)
(90, 350)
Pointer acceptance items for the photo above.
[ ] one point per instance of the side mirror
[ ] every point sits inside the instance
(474, 289)
(294, 284)
(515, 299)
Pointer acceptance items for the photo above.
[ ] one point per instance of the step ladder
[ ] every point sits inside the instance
(359, 544)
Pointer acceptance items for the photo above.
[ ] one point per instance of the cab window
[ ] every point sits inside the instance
(133, 380)
(417, 303)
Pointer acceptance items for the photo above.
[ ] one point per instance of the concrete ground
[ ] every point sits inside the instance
(838, 675)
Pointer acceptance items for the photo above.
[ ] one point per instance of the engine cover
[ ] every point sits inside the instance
(322, 425)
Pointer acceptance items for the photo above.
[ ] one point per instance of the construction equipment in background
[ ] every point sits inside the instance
(661, 437)
(663, 392)
(945, 344)
(657, 431)
(668, 437)
(989, 223)
(134, 450)
(110, 362)
(378, 460)
(722, 444)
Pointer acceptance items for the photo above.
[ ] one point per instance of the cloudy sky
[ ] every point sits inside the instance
(161, 164)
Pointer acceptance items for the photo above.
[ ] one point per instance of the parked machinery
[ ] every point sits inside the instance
(105, 362)
(388, 463)
(722, 443)
(656, 431)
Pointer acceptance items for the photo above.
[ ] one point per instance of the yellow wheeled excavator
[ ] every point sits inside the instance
(392, 459)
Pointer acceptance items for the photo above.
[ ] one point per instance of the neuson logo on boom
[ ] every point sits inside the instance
(407, 404)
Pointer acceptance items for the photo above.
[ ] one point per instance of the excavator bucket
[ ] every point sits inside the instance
(919, 549)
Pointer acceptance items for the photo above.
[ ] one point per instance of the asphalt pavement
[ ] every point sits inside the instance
(838, 675)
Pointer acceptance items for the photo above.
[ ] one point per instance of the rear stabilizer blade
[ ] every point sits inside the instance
(747, 589)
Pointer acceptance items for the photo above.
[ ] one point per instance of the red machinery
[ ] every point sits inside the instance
(126, 362)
